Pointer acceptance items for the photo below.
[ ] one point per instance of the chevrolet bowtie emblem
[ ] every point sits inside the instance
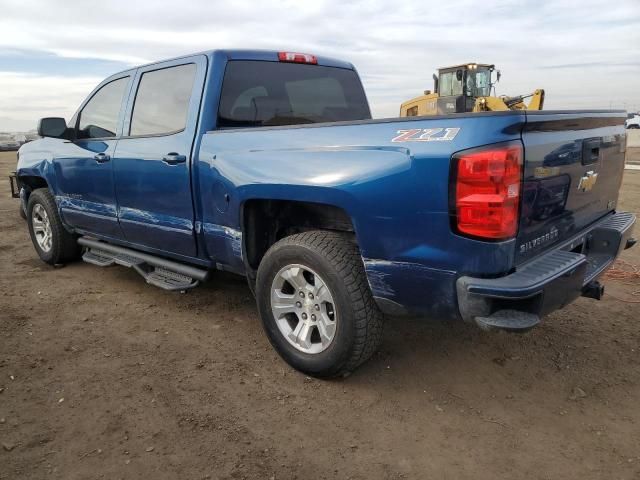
(588, 181)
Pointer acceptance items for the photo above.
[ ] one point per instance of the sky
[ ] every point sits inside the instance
(585, 54)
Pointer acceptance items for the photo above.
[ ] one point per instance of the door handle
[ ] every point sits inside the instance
(174, 159)
(102, 157)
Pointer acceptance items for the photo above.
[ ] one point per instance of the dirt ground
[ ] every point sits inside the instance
(103, 376)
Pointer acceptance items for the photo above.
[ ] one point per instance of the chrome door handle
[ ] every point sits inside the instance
(174, 158)
(102, 157)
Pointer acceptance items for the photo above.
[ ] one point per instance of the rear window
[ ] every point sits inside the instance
(256, 93)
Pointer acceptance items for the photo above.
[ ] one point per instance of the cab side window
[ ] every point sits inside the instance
(99, 117)
(162, 101)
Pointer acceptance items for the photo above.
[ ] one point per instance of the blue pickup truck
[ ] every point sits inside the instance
(268, 164)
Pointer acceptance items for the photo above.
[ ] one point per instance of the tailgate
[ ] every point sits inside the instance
(573, 169)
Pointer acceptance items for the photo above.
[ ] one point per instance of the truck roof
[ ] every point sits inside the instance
(259, 55)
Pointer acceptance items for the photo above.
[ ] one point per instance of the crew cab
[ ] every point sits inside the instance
(268, 165)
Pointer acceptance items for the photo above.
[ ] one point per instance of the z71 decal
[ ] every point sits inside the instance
(426, 135)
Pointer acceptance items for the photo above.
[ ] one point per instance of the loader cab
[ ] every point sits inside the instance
(459, 86)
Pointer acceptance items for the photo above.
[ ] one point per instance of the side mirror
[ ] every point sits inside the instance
(498, 75)
(459, 75)
(54, 127)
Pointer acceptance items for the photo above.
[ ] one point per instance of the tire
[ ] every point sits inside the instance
(62, 246)
(345, 307)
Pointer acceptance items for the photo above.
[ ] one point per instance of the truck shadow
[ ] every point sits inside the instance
(453, 352)
(577, 345)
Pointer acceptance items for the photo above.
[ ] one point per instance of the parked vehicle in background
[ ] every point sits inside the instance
(633, 122)
(267, 164)
(468, 88)
(9, 145)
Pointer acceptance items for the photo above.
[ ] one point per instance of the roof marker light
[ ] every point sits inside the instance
(294, 57)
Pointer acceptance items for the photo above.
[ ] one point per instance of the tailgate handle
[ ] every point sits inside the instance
(591, 151)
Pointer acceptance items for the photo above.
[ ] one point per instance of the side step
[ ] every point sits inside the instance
(163, 273)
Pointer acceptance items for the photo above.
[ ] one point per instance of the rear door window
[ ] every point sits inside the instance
(258, 93)
(162, 101)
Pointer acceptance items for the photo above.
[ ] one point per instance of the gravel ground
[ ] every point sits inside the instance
(103, 376)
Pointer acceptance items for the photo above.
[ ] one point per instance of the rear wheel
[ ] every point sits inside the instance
(316, 305)
(51, 240)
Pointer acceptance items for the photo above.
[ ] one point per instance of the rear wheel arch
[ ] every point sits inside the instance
(266, 221)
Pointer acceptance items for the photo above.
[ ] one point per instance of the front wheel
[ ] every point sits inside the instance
(51, 240)
(316, 305)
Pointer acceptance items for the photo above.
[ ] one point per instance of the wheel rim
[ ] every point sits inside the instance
(41, 227)
(303, 308)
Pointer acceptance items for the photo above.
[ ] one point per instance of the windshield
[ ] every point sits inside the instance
(258, 93)
(478, 83)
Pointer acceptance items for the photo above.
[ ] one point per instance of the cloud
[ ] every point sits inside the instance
(396, 46)
(594, 65)
(26, 97)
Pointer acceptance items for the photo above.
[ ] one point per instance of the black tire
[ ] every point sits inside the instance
(359, 323)
(64, 245)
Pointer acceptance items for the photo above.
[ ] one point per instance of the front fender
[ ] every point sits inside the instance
(36, 160)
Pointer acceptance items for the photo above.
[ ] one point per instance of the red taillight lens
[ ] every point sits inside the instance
(297, 57)
(487, 191)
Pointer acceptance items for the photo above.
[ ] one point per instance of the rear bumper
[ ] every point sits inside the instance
(549, 282)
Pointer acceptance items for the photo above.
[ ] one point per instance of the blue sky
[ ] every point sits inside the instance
(586, 54)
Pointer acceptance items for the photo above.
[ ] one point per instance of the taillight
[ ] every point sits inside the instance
(487, 191)
(297, 57)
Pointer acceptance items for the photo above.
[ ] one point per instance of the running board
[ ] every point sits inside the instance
(160, 272)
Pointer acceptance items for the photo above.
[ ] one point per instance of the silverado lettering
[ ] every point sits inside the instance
(539, 241)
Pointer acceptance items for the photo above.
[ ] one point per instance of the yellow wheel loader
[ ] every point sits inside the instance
(467, 88)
